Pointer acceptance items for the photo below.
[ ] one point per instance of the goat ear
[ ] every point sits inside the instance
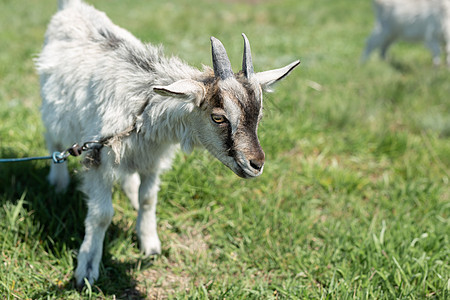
(268, 78)
(186, 89)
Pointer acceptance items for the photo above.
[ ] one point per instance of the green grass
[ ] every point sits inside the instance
(353, 202)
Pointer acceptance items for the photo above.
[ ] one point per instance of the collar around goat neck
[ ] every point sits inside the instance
(93, 157)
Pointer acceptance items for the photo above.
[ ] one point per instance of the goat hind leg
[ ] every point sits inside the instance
(385, 46)
(100, 211)
(377, 39)
(146, 222)
(130, 185)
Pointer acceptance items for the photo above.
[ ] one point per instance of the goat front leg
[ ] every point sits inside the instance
(98, 189)
(146, 221)
(435, 48)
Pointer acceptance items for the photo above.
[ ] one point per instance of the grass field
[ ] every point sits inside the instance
(354, 200)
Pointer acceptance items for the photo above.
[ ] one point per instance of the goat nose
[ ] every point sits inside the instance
(257, 164)
(256, 160)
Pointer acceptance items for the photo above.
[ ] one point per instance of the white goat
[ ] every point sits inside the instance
(98, 82)
(411, 20)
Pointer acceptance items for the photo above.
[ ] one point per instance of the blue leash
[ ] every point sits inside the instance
(7, 160)
(59, 157)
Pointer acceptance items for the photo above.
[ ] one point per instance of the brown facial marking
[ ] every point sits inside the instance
(212, 98)
(250, 104)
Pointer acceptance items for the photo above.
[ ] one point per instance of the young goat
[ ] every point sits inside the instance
(98, 82)
(411, 20)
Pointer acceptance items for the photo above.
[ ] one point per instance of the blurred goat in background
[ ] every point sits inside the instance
(411, 20)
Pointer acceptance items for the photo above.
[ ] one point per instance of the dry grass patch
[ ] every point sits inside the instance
(168, 276)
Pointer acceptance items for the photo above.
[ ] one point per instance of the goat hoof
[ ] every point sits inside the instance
(152, 248)
(82, 282)
(152, 251)
(86, 274)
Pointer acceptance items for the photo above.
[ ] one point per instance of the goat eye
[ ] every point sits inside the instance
(218, 119)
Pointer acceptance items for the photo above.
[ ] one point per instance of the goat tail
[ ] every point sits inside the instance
(63, 4)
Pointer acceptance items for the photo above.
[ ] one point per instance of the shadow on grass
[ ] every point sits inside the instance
(61, 218)
(115, 284)
(401, 66)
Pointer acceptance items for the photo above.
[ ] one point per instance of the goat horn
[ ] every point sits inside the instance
(221, 63)
(247, 64)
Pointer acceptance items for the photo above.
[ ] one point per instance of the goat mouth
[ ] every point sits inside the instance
(245, 170)
(241, 166)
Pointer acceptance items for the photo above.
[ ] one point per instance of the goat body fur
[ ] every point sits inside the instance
(97, 79)
(426, 21)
